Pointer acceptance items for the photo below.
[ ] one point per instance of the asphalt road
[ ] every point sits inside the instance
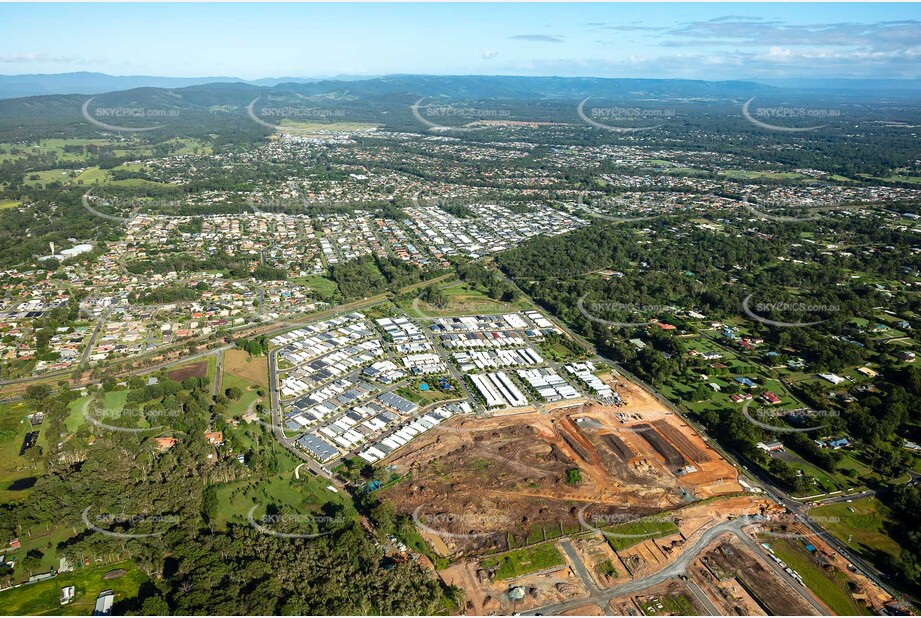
(807, 594)
(279, 430)
(601, 598)
(579, 566)
(701, 596)
(774, 492)
(92, 342)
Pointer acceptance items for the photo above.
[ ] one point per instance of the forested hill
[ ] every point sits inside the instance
(219, 107)
(474, 86)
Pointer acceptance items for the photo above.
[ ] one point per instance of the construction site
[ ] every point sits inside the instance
(586, 509)
(588, 572)
(738, 583)
(489, 484)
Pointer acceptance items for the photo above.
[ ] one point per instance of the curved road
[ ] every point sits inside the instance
(756, 479)
(601, 598)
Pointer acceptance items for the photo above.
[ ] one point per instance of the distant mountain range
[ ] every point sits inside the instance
(846, 85)
(16, 86)
(226, 106)
(13, 86)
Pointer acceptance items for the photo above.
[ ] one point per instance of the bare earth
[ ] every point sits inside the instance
(739, 583)
(252, 369)
(474, 481)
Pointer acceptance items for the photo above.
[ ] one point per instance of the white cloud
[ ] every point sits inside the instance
(30, 58)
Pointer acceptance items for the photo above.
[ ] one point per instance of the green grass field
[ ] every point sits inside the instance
(321, 286)
(557, 352)
(432, 395)
(92, 175)
(241, 405)
(894, 178)
(310, 128)
(45, 539)
(462, 300)
(14, 468)
(5, 204)
(637, 531)
(187, 145)
(523, 561)
(114, 401)
(831, 588)
(54, 147)
(78, 408)
(89, 176)
(755, 174)
(48, 176)
(302, 496)
(827, 482)
(43, 598)
(212, 368)
(862, 525)
(679, 605)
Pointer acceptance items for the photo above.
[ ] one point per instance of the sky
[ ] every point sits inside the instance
(250, 41)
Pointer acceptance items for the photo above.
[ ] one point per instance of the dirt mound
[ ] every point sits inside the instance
(501, 482)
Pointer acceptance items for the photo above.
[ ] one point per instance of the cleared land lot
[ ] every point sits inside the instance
(740, 582)
(498, 483)
(43, 598)
(253, 369)
(523, 561)
(192, 370)
(830, 585)
(862, 526)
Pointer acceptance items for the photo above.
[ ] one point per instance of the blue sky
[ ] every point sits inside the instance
(701, 41)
